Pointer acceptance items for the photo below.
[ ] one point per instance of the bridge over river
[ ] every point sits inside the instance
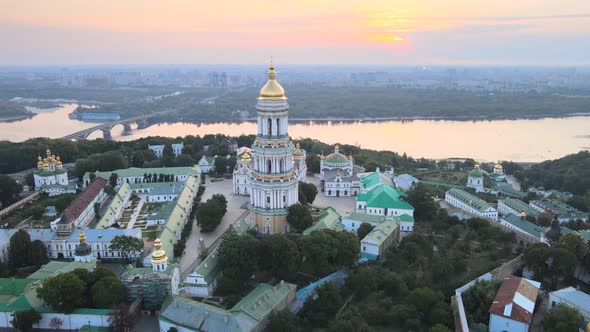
(107, 127)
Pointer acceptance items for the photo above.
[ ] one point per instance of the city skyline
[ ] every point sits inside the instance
(426, 32)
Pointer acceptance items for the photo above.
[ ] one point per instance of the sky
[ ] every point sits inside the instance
(421, 32)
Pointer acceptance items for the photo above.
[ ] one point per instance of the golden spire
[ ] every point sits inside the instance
(523, 215)
(159, 254)
(297, 152)
(246, 157)
(272, 89)
(82, 237)
(350, 156)
(48, 152)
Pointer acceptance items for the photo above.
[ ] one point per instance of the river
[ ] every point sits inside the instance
(527, 140)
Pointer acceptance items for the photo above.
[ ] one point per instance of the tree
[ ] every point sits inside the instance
(24, 320)
(63, 292)
(113, 179)
(9, 190)
(347, 248)
(309, 192)
(18, 252)
(477, 301)
(299, 217)
(535, 258)
(563, 265)
(138, 159)
(426, 210)
(363, 230)
(544, 219)
(423, 299)
(56, 323)
(107, 293)
(439, 328)
(364, 281)
(562, 318)
(320, 311)
(280, 256)
(210, 214)
(319, 250)
(574, 244)
(282, 321)
(38, 253)
(238, 260)
(220, 165)
(92, 176)
(221, 200)
(123, 320)
(129, 246)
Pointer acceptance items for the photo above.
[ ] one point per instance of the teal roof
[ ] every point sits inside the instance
(246, 315)
(563, 210)
(159, 188)
(469, 199)
(519, 206)
(374, 179)
(585, 235)
(368, 218)
(524, 225)
(164, 211)
(56, 267)
(406, 218)
(384, 196)
(336, 158)
(381, 232)
(508, 190)
(476, 173)
(139, 172)
(328, 219)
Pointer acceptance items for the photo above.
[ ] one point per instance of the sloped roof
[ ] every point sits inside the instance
(328, 219)
(381, 232)
(384, 196)
(574, 298)
(516, 299)
(80, 204)
(363, 217)
(524, 225)
(469, 199)
(139, 172)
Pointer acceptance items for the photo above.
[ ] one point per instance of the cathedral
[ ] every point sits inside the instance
(273, 167)
(51, 177)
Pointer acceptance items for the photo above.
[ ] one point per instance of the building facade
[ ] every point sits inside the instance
(470, 204)
(241, 175)
(51, 177)
(475, 179)
(81, 211)
(274, 182)
(514, 304)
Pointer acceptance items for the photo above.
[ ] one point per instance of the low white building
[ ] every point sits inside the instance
(81, 210)
(514, 206)
(158, 192)
(475, 179)
(514, 304)
(207, 164)
(572, 298)
(524, 229)
(177, 148)
(405, 181)
(158, 150)
(147, 175)
(470, 203)
(241, 175)
(374, 244)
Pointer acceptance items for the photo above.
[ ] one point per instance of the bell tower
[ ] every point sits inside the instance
(273, 182)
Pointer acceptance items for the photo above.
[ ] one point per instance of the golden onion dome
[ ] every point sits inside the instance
(246, 157)
(498, 166)
(39, 158)
(350, 157)
(272, 89)
(297, 152)
(159, 254)
(48, 152)
(523, 214)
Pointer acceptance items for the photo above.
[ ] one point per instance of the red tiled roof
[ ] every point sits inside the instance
(505, 296)
(75, 209)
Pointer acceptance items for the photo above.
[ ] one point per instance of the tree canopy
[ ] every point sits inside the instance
(299, 217)
(9, 190)
(24, 252)
(562, 318)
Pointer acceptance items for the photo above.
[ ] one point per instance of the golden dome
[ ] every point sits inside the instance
(350, 157)
(159, 254)
(39, 158)
(476, 166)
(82, 237)
(48, 152)
(523, 214)
(272, 89)
(498, 166)
(246, 157)
(297, 152)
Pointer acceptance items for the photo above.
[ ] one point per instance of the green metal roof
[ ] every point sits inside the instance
(328, 219)
(56, 267)
(139, 172)
(563, 210)
(13, 286)
(406, 218)
(519, 206)
(384, 196)
(164, 211)
(374, 179)
(508, 190)
(476, 173)
(363, 217)
(469, 199)
(381, 232)
(336, 158)
(524, 225)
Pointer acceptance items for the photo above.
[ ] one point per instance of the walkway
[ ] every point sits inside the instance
(190, 259)
(136, 211)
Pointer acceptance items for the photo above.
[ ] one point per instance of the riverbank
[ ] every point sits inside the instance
(15, 117)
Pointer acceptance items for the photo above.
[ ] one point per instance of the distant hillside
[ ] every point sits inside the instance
(570, 173)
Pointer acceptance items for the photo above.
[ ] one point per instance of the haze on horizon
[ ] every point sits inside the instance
(454, 32)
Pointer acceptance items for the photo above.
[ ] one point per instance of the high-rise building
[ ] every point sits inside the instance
(273, 183)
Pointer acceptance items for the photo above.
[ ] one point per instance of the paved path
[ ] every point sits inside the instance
(136, 211)
(190, 258)
(343, 205)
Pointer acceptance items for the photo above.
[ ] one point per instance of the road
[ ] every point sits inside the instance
(235, 208)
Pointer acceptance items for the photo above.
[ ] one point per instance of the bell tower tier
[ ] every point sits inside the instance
(273, 182)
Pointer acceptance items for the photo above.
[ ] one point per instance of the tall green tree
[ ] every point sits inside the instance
(113, 179)
(363, 230)
(309, 192)
(562, 318)
(20, 245)
(107, 293)
(63, 292)
(299, 217)
(535, 258)
(238, 260)
(9, 190)
(128, 245)
(279, 255)
(320, 310)
(574, 244)
(24, 320)
(209, 215)
(282, 321)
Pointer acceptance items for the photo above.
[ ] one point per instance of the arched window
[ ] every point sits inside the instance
(268, 166)
(269, 127)
(278, 127)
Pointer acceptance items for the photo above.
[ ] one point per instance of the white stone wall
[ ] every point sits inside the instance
(70, 322)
